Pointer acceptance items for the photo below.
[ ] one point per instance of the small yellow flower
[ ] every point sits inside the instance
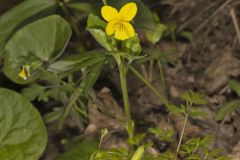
(118, 22)
(25, 72)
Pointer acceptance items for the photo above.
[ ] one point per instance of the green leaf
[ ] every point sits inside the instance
(187, 35)
(90, 78)
(235, 86)
(155, 35)
(22, 14)
(193, 157)
(111, 154)
(95, 22)
(85, 7)
(132, 46)
(196, 112)
(206, 140)
(35, 45)
(78, 61)
(194, 97)
(96, 27)
(227, 109)
(138, 154)
(22, 132)
(176, 110)
(81, 151)
(137, 139)
(143, 19)
(163, 135)
(33, 91)
(156, 54)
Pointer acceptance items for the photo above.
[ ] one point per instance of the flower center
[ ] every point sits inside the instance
(120, 26)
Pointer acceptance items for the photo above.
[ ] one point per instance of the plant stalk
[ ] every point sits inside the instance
(123, 73)
(104, 2)
(182, 133)
(162, 98)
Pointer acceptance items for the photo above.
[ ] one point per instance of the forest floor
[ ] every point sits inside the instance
(206, 54)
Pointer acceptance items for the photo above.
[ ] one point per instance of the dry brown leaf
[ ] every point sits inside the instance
(219, 71)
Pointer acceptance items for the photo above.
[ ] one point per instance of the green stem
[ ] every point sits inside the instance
(151, 71)
(162, 98)
(188, 109)
(182, 133)
(161, 72)
(205, 158)
(104, 2)
(56, 78)
(70, 17)
(123, 72)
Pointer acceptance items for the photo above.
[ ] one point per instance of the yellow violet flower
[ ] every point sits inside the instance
(25, 72)
(118, 22)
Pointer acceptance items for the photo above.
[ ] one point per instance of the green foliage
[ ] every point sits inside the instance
(176, 110)
(194, 98)
(226, 109)
(194, 146)
(161, 156)
(82, 151)
(187, 35)
(35, 45)
(132, 46)
(231, 106)
(85, 7)
(155, 35)
(20, 15)
(90, 78)
(137, 139)
(138, 153)
(96, 27)
(163, 135)
(33, 91)
(111, 154)
(78, 61)
(22, 134)
(235, 86)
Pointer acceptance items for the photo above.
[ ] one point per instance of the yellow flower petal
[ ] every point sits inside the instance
(109, 13)
(22, 74)
(111, 27)
(124, 31)
(128, 11)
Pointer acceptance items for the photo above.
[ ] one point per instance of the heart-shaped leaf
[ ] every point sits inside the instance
(35, 45)
(22, 132)
(22, 14)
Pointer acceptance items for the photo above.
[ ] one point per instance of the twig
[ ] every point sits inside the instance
(212, 16)
(196, 16)
(235, 23)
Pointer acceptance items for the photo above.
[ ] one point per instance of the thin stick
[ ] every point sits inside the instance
(212, 16)
(150, 86)
(196, 16)
(235, 23)
(182, 133)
